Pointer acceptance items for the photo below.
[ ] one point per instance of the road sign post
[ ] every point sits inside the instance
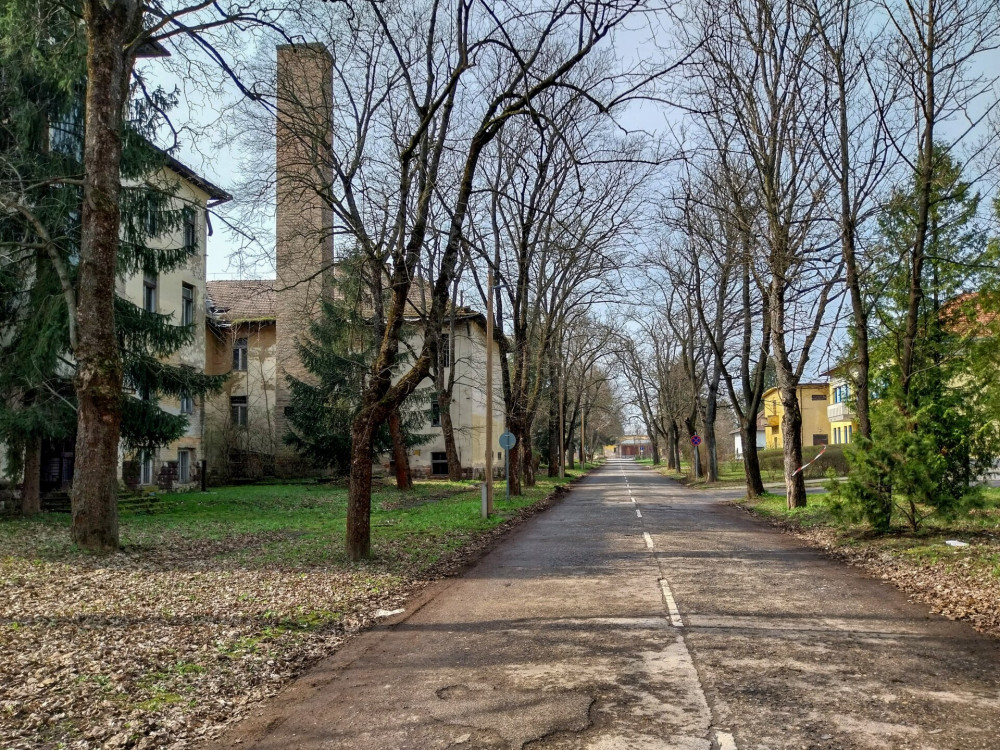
(507, 441)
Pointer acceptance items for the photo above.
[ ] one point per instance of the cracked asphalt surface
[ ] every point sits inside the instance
(640, 614)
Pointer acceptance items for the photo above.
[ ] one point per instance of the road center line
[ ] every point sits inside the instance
(637, 513)
(725, 740)
(668, 597)
(648, 538)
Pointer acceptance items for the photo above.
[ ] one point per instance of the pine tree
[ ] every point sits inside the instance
(931, 440)
(42, 66)
(338, 354)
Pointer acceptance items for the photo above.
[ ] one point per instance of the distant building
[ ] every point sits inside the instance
(761, 436)
(813, 399)
(257, 325)
(638, 446)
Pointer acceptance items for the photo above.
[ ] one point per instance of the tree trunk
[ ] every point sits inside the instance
(791, 434)
(31, 491)
(111, 26)
(656, 451)
(673, 454)
(401, 458)
(689, 423)
(711, 409)
(528, 459)
(359, 494)
(554, 434)
(751, 461)
(455, 473)
(516, 427)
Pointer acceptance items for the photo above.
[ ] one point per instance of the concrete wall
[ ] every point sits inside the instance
(256, 444)
(468, 407)
(168, 299)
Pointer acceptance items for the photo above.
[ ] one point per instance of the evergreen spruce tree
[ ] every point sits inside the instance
(933, 440)
(338, 353)
(42, 69)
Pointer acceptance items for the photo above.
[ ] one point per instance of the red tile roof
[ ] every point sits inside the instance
(241, 300)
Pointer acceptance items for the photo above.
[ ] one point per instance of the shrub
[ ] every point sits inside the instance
(772, 462)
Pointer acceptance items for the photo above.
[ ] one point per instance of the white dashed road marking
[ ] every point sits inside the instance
(668, 597)
(725, 741)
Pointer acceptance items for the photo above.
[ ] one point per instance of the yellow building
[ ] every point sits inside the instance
(839, 413)
(813, 399)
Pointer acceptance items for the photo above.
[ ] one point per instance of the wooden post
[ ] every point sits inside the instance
(488, 507)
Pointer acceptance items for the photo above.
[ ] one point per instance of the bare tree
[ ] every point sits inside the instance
(555, 242)
(935, 53)
(754, 91)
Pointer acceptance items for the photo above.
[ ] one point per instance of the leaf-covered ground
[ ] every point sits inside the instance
(212, 605)
(959, 582)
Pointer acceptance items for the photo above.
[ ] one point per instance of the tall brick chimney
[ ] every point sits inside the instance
(304, 221)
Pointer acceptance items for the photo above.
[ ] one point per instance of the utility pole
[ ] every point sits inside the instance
(488, 507)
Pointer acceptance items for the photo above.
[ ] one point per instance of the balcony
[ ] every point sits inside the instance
(773, 420)
(839, 412)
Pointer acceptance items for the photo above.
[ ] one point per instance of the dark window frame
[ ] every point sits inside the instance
(190, 228)
(241, 354)
(150, 284)
(239, 413)
(187, 304)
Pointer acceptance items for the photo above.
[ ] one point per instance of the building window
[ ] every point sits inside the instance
(445, 350)
(146, 473)
(187, 404)
(435, 414)
(841, 394)
(152, 220)
(850, 433)
(190, 229)
(836, 436)
(240, 355)
(439, 463)
(149, 292)
(821, 439)
(238, 408)
(183, 466)
(187, 304)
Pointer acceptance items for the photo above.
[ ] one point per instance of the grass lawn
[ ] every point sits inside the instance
(961, 582)
(213, 603)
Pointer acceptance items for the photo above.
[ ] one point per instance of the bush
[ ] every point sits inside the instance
(772, 462)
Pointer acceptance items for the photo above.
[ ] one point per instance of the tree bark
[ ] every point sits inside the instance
(359, 494)
(791, 435)
(751, 461)
(553, 432)
(448, 430)
(401, 458)
(112, 25)
(31, 490)
(711, 410)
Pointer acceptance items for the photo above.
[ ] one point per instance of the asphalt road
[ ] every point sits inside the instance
(639, 614)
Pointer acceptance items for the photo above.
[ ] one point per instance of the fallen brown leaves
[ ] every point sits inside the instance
(163, 646)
